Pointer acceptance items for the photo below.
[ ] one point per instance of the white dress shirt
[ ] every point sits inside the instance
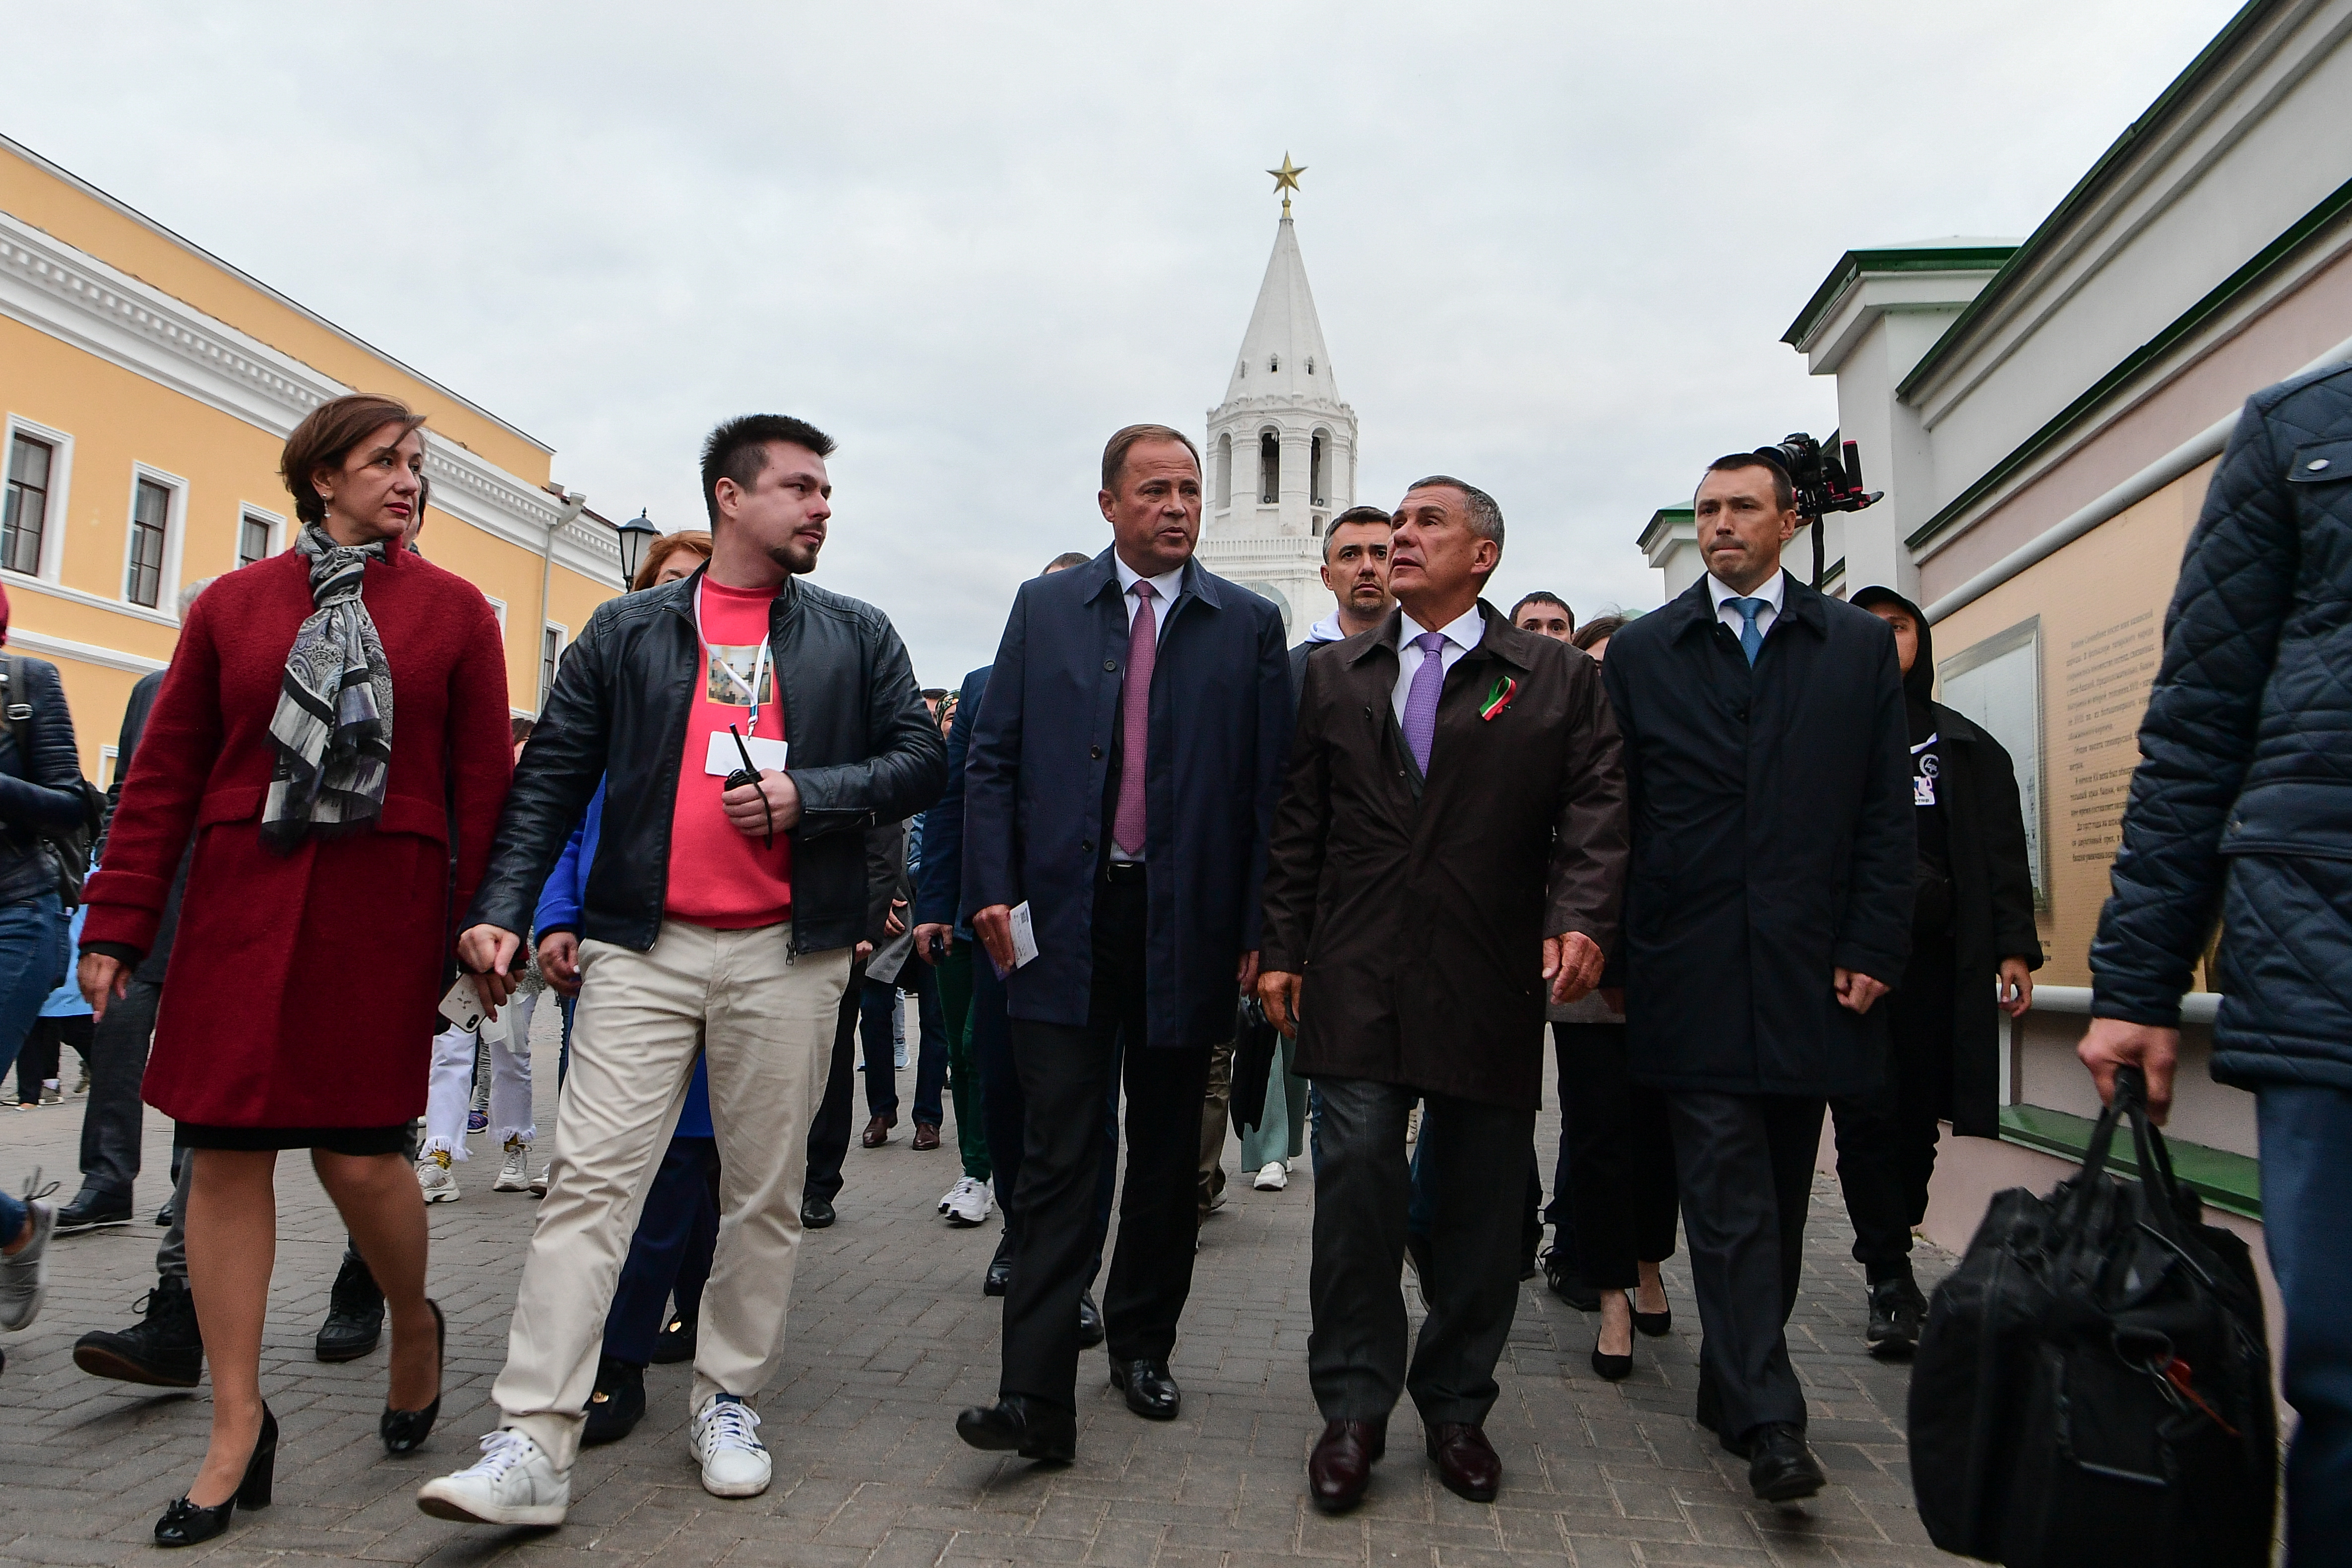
(1166, 586)
(1460, 637)
(1772, 592)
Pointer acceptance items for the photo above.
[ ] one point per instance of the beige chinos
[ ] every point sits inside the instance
(764, 1018)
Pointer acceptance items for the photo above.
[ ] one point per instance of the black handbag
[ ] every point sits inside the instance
(2094, 1382)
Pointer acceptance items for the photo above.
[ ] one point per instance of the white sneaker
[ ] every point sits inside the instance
(968, 1203)
(514, 1482)
(24, 1274)
(514, 1176)
(1272, 1176)
(433, 1174)
(734, 1462)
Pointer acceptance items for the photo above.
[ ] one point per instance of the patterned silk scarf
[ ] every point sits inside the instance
(333, 723)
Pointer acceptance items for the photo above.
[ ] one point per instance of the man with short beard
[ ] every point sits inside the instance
(716, 922)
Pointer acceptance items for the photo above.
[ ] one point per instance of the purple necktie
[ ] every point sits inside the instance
(1420, 700)
(1127, 826)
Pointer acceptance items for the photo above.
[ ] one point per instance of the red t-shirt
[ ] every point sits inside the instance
(718, 876)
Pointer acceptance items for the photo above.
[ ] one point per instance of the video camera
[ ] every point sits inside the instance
(1824, 481)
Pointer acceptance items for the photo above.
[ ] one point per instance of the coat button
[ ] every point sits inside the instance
(1741, 715)
(1085, 846)
(1111, 664)
(1094, 752)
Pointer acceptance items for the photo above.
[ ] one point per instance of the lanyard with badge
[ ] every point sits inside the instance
(755, 751)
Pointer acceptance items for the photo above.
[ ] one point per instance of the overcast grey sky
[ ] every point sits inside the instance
(1553, 246)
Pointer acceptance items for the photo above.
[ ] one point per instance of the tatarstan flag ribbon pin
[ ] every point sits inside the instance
(1498, 698)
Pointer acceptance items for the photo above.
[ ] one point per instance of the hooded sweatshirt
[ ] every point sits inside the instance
(1934, 913)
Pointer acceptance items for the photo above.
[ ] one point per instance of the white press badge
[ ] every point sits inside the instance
(720, 758)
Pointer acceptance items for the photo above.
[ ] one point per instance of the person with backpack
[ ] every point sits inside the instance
(42, 810)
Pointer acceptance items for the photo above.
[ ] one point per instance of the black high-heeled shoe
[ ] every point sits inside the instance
(405, 1431)
(1655, 1325)
(185, 1524)
(1611, 1368)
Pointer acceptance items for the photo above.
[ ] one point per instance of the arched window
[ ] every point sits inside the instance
(1225, 471)
(1310, 365)
(1274, 362)
(1269, 469)
(1314, 472)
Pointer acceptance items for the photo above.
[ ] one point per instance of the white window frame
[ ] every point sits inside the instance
(246, 508)
(175, 533)
(498, 608)
(548, 666)
(53, 526)
(109, 759)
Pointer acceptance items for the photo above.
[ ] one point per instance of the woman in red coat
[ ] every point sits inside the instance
(333, 718)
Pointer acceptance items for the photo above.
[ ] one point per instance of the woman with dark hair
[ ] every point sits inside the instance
(1617, 1154)
(321, 796)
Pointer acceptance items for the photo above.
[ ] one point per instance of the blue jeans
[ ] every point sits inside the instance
(32, 965)
(2306, 1136)
(12, 1216)
(670, 1254)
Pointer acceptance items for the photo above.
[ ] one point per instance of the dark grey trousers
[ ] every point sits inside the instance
(110, 1118)
(1744, 1164)
(1356, 1353)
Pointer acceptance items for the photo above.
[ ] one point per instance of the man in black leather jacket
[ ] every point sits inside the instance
(2241, 809)
(39, 770)
(717, 921)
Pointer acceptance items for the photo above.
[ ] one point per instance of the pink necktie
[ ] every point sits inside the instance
(1135, 701)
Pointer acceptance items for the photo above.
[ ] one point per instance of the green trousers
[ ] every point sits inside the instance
(963, 1074)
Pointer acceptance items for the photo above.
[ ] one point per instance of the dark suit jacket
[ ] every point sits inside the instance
(1416, 910)
(1041, 763)
(938, 886)
(1773, 842)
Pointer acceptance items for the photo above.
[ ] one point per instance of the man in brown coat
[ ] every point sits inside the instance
(1448, 853)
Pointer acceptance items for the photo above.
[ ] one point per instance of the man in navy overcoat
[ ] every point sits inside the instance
(1120, 783)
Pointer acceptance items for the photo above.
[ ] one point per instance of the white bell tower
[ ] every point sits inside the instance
(1281, 452)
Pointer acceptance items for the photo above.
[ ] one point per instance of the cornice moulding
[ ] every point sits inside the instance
(56, 289)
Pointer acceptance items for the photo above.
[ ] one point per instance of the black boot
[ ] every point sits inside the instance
(354, 1314)
(1897, 1312)
(617, 1404)
(163, 1351)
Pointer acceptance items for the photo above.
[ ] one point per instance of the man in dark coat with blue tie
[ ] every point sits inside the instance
(1767, 767)
(1120, 782)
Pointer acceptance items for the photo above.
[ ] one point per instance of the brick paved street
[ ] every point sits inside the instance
(889, 1335)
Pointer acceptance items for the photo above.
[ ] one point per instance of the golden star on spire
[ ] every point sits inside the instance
(1286, 179)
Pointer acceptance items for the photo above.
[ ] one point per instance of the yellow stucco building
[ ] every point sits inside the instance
(147, 388)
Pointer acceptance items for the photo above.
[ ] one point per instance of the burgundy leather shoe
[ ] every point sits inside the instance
(1466, 1461)
(1341, 1465)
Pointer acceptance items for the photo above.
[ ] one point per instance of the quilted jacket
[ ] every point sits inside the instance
(2241, 806)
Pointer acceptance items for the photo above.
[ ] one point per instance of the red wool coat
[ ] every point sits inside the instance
(302, 988)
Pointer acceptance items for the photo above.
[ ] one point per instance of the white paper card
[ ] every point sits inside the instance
(723, 758)
(1024, 935)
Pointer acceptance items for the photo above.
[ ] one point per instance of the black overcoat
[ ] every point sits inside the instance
(1038, 776)
(1992, 908)
(1772, 843)
(1416, 908)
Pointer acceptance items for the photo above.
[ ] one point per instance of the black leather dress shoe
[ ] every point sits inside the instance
(1000, 1268)
(1090, 1323)
(1780, 1469)
(1466, 1461)
(1151, 1392)
(354, 1320)
(92, 1211)
(1340, 1467)
(816, 1213)
(1016, 1424)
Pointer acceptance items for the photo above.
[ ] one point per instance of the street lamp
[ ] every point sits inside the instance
(635, 535)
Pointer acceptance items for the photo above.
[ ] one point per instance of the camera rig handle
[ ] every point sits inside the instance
(1822, 481)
